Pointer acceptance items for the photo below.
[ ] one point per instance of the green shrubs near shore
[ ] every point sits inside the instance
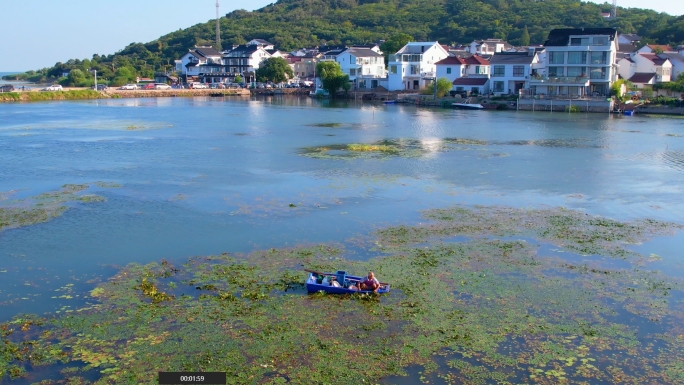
(48, 95)
(573, 109)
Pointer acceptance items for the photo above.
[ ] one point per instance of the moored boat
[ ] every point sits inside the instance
(468, 106)
(324, 282)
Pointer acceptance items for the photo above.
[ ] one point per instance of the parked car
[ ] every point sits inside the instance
(54, 87)
(6, 88)
(161, 86)
(148, 86)
(198, 86)
(100, 87)
(129, 87)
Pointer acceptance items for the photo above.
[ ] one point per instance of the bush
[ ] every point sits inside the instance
(572, 109)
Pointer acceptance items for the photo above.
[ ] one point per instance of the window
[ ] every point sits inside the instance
(577, 58)
(601, 40)
(518, 71)
(556, 71)
(393, 69)
(578, 41)
(498, 86)
(415, 70)
(573, 90)
(481, 70)
(352, 72)
(598, 57)
(598, 73)
(448, 70)
(577, 71)
(498, 71)
(556, 57)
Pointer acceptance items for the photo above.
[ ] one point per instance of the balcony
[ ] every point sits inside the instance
(408, 58)
(560, 81)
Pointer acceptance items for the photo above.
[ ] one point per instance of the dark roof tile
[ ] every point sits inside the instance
(471, 81)
(642, 77)
(561, 37)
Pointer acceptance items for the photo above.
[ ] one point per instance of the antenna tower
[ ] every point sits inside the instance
(218, 27)
(613, 11)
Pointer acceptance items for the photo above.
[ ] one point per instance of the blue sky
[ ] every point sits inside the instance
(48, 31)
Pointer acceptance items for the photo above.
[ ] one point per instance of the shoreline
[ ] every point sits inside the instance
(88, 94)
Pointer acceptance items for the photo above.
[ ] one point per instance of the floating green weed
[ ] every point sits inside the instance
(43, 207)
(499, 312)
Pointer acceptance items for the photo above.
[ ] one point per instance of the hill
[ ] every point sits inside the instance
(291, 24)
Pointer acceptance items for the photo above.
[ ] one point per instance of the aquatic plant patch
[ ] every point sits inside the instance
(46, 206)
(481, 311)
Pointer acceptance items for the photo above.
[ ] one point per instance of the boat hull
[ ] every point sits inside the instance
(313, 287)
(465, 106)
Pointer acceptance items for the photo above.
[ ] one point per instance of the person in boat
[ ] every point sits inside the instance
(370, 283)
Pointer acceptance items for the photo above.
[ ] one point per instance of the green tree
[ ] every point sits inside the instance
(525, 38)
(332, 77)
(444, 85)
(238, 79)
(76, 77)
(274, 69)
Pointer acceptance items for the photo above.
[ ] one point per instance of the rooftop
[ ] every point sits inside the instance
(471, 81)
(642, 77)
(655, 58)
(561, 37)
(512, 58)
(364, 52)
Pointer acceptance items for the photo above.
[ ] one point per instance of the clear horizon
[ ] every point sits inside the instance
(108, 26)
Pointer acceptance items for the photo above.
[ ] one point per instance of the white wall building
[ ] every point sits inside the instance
(364, 66)
(414, 66)
(488, 47)
(578, 62)
(645, 68)
(511, 71)
(453, 68)
(201, 60)
(245, 58)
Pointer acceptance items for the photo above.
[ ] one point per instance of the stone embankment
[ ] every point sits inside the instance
(174, 93)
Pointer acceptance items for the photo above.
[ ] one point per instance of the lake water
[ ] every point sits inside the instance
(204, 176)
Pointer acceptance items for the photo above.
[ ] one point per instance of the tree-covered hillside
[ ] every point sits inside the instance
(293, 24)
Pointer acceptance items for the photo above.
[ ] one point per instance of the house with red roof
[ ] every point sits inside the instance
(470, 72)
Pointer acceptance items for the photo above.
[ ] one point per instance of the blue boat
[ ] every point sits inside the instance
(323, 282)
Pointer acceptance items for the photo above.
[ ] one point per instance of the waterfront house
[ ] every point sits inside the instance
(453, 67)
(414, 66)
(305, 66)
(579, 62)
(511, 71)
(474, 85)
(365, 67)
(245, 59)
(203, 64)
(637, 66)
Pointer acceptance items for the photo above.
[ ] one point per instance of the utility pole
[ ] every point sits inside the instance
(218, 27)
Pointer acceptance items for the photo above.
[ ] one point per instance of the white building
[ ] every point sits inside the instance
(655, 48)
(488, 47)
(677, 61)
(201, 61)
(578, 62)
(261, 43)
(365, 67)
(245, 59)
(645, 68)
(628, 38)
(511, 71)
(414, 66)
(453, 68)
